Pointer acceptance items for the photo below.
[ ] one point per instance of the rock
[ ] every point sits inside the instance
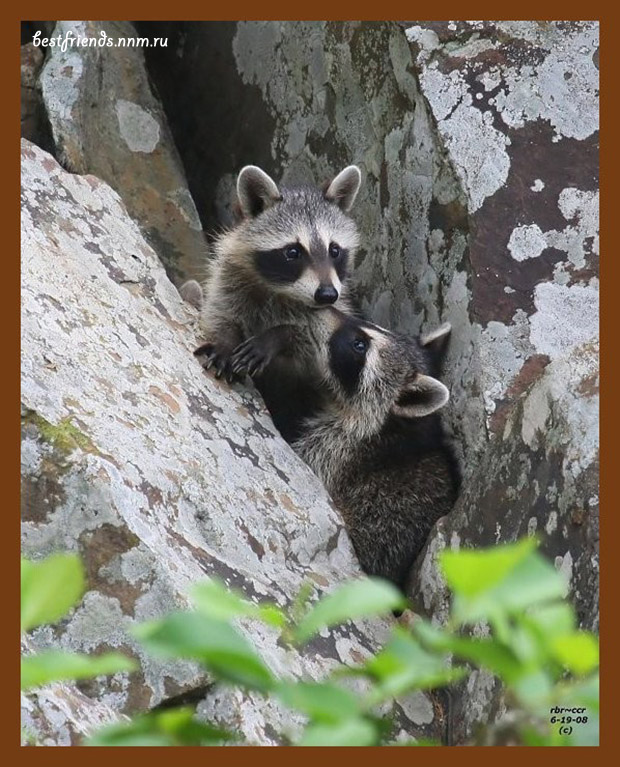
(479, 147)
(106, 121)
(34, 126)
(528, 91)
(156, 473)
(60, 715)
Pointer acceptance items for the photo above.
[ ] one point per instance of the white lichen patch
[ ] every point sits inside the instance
(558, 399)
(563, 89)
(431, 582)
(139, 129)
(61, 75)
(526, 242)
(565, 317)
(536, 411)
(426, 39)
(480, 684)
(503, 350)
(60, 83)
(551, 524)
(578, 238)
(564, 565)
(479, 150)
(58, 714)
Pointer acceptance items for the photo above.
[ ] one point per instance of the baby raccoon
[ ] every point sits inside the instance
(290, 254)
(378, 445)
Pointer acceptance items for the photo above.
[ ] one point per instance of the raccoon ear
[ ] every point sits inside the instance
(344, 188)
(420, 396)
(256, 191)
(436, 342)
(191, 291)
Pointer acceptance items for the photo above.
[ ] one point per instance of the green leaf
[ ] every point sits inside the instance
(578, 651)
(487, 653)
(527, 645)
(177, 727)
(534, 689)
(213, 598)
(404, 665)
(212, 642)
(50, 588)
(271, 615)
(57, 666)
(471, 572)
(531, 581)
(349, 732)
(356, 599)
(321, 702)
(551, 620)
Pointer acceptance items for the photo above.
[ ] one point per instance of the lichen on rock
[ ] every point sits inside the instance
(156, 473)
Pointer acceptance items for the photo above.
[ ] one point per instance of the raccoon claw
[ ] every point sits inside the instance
(257, 368)
(249, 358)
(216, 360)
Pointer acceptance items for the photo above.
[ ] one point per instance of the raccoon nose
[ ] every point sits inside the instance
(326, 294)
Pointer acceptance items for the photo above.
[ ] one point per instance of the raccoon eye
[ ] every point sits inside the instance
(360, 345)
(292, 252)
(334, 250)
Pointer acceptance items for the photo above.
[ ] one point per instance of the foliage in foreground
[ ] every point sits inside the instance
(508, 617)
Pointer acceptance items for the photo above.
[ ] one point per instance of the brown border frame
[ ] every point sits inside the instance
(319, 10)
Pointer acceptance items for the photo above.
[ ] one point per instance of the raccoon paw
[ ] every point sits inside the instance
(251, 357)
(218, 359)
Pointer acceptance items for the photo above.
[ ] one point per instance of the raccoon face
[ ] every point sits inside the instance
(380, 372)
(301, 243)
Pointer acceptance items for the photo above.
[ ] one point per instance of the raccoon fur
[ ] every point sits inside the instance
(378, 444)
(290, 254)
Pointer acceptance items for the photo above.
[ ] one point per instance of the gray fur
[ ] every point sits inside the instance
(240, 304)
(388, 470)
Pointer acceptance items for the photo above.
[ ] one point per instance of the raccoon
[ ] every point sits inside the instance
(290, 254)
(378, 445)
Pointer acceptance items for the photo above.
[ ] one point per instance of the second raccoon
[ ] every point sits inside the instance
(378, 444)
